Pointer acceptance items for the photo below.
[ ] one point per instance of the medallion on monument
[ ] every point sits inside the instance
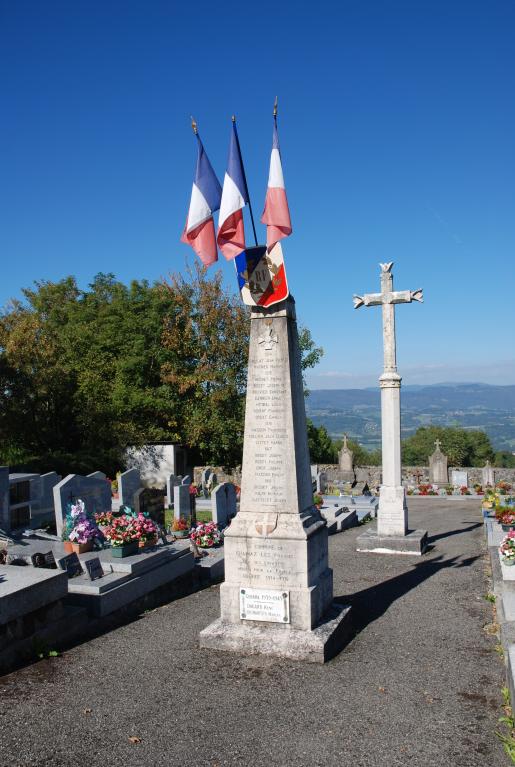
(262, 276)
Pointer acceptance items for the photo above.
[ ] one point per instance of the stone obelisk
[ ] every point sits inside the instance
(392, 535)
(277, 597)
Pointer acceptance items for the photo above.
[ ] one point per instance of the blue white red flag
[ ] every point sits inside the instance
(235, 195)
(206, 195)
(262, 276)
(276, 214)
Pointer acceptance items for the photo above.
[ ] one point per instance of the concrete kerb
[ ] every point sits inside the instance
(504, 592)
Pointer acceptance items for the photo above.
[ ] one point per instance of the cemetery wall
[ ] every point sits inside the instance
(411, 475)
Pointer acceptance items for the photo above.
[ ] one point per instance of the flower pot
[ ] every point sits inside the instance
(127, 550)
(508, 562)
(181, 533)
(81, 548)
(68, 547)
(148, 544)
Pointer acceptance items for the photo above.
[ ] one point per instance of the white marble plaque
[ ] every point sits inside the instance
(264, 605)
(459, 478)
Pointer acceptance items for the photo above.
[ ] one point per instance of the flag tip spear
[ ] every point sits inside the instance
(233, 118)
(194, 125)
(275, 106)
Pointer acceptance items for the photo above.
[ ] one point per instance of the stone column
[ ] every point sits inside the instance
(277, 597)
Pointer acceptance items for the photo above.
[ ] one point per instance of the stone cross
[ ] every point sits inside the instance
(393, 513)
(345, 442)
(437, 444)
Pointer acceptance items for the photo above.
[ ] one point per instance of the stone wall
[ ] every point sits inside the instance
(411, 475)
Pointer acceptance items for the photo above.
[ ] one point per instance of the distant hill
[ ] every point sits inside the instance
(470, 405)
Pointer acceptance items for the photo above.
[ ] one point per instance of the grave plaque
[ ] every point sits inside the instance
(265, 605)
(44, 560)
(94, 568)
(459, 478)
(71, 564)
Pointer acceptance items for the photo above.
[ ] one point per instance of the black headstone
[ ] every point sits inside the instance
(94, 568)
(151, 501)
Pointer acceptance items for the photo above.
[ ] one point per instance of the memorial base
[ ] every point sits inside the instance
(250, 638)
(413, 543)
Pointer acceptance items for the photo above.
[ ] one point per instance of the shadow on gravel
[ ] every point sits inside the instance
(370, 604)
(449, 533)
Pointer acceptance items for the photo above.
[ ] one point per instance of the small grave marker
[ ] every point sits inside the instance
(71, 564)
(94, 568)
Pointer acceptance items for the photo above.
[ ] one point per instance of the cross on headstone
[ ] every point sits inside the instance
(437, 444)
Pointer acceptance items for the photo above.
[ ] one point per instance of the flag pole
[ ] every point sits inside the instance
(245, 179)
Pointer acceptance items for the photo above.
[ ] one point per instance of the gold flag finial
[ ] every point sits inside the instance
(233, 118)
(275, 106)
(194, 125)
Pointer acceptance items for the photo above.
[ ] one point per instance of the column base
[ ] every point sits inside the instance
(413, 543)
(247, 638)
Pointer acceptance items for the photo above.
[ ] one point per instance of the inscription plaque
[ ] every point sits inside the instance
(264, 605)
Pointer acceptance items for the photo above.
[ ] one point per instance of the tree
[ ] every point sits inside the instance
(463, 447)
(321, 447)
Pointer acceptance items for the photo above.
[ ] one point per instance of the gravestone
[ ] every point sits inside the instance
(277, 597)
(181, 501)
(151, 501)
(128, 483)
(171, 481)
(5, 518)
(96, 494)
(438, 473)
(392, 535)
(488, 475)
(204, 480)
(321, 485)
(459, 478)
(94, 568)
(223, 504)
(98, 475)
(71, 564)
(345, 462)
(48, 482)
(186, 480)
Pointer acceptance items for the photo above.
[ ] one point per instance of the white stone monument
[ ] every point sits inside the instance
(392, 535)
(438, 471)
(277, 597)
(488, 475)
(345, 462)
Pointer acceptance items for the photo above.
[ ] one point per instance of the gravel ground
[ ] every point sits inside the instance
(418, 684)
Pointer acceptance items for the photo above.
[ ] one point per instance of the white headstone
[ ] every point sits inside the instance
(438, 472)
(171, 482)
(459, 478)
(488, 475)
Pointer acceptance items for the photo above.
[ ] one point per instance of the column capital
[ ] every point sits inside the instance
(390, 380)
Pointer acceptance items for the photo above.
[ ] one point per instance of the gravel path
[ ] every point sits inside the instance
(419, 683)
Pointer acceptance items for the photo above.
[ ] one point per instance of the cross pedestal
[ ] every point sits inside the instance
(392, 535)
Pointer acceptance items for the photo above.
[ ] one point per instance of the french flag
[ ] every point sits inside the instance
(206, 194)
(235, 195)
(276, 214)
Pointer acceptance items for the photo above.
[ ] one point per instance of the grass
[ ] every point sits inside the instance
(490, 597)
(507, 739)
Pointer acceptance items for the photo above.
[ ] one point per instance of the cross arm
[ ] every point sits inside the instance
(407, 296)
(370, 299)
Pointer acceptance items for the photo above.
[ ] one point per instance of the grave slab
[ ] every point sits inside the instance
(413, 543)
(338, 518)
(26, 589)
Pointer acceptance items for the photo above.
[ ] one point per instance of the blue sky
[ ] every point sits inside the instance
(397, 129)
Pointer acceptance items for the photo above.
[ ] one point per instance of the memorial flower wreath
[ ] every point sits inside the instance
(206, 535)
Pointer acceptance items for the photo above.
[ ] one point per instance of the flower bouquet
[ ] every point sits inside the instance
(124, 535)
(79, 529)
(318, 501)
(146, 529)
(206, 535)
(464, 490)
(507, 548)
(180, 528)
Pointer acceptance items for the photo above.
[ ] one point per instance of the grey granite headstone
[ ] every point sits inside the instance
(223, 503)
(321, 482)
(204, 477)
(151, 501)
(96, 494)
(5, 519)
(186, 480)
(181, 501)
(277, 597)
(128, 482)
(98, 475)
(171, 481)
(438, 472)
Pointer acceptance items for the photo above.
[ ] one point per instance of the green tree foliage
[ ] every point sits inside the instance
(84, 373)
(504, 460)
(463, 447)
(322, 449)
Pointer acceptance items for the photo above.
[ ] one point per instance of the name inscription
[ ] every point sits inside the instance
(264, 605)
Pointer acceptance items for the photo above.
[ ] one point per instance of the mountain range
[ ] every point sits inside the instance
(357, 412)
